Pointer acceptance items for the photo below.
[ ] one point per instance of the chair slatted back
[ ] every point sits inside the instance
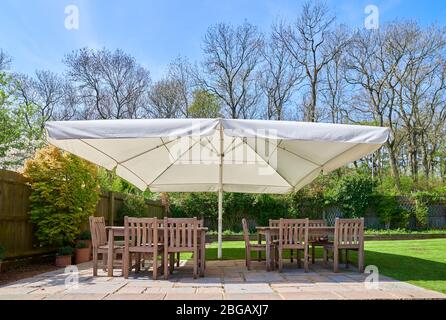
(316, 236)
(181, 233)
(293, 233)
(274, 222)
(246, 233)
(141, 232)
(98, 232)
(349, 232)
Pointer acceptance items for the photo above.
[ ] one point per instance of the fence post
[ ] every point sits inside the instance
(111, 207)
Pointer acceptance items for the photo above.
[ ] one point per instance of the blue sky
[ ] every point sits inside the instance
(155, 32)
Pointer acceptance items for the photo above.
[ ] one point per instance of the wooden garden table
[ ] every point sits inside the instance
(118, 231)
(269, 232)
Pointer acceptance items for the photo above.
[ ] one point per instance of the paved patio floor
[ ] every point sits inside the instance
(224, 280)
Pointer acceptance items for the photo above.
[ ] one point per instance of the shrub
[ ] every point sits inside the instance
(353, 194)
(64, 192)
(2, 252)
(421, 209)
(267, 207)
(133, 206)
(195, 204)
(84, 235)
(65, 251)
(81, 245)
(389, 211)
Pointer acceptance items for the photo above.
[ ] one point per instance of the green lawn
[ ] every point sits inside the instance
(420, 262)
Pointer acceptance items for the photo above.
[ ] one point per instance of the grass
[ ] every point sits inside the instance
(419, 262)
(367, 232)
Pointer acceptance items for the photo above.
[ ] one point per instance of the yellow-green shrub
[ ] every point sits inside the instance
(64, 193)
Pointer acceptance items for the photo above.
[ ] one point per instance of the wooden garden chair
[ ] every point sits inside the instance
(200, 224)
(348, 235)
(293, 234)
(317, 240)
(257, 247)
(99, 242)
(180, 235)
(141, 238)
(275, 223)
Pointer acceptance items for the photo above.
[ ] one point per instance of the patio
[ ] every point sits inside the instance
(227, 279)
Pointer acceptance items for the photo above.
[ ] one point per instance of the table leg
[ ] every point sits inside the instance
(259, 241)
(268, 250)
(110, 253)
(203, 253)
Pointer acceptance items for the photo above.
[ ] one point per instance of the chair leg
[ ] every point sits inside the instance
(259, 253)
(248, 260)
(155, 266)
(95, 263)
(336, 260)
(178, 260)
(138, 263)
(361, 260)
(125, 264)
(166, 265)
(299, 262)
(346, 258)
(313, 253)
(195, 265)
(276, 255)
(280, 260)
(104, 262)
(130, 261)
(306, 258)
(171, 262)
(291, 255)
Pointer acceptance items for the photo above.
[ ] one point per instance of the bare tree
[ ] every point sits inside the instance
(231, 55)
(111, 84)
(370, 69)
(165, 99)
(5, 60)
(335, 92)
(280, 78)
(421, 93)
(180, 71)
(308, 42)
(43, 94)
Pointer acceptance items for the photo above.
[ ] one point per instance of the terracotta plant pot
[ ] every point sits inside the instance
(63, 261)
(88, 243)
(82, 255)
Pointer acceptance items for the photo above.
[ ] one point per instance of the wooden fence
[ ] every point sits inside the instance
(17, 233)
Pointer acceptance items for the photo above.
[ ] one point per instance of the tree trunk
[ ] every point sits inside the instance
(394, 166)
(164, 196)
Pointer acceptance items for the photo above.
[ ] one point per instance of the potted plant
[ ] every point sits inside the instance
(63, 257)
(2, 256)
(81, 253)
(85, 237)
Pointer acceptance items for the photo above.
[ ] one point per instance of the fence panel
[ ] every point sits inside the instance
(17, 233)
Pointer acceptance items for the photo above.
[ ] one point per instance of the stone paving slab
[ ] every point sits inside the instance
(224, 280)
(119, 296)
(252, 296)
